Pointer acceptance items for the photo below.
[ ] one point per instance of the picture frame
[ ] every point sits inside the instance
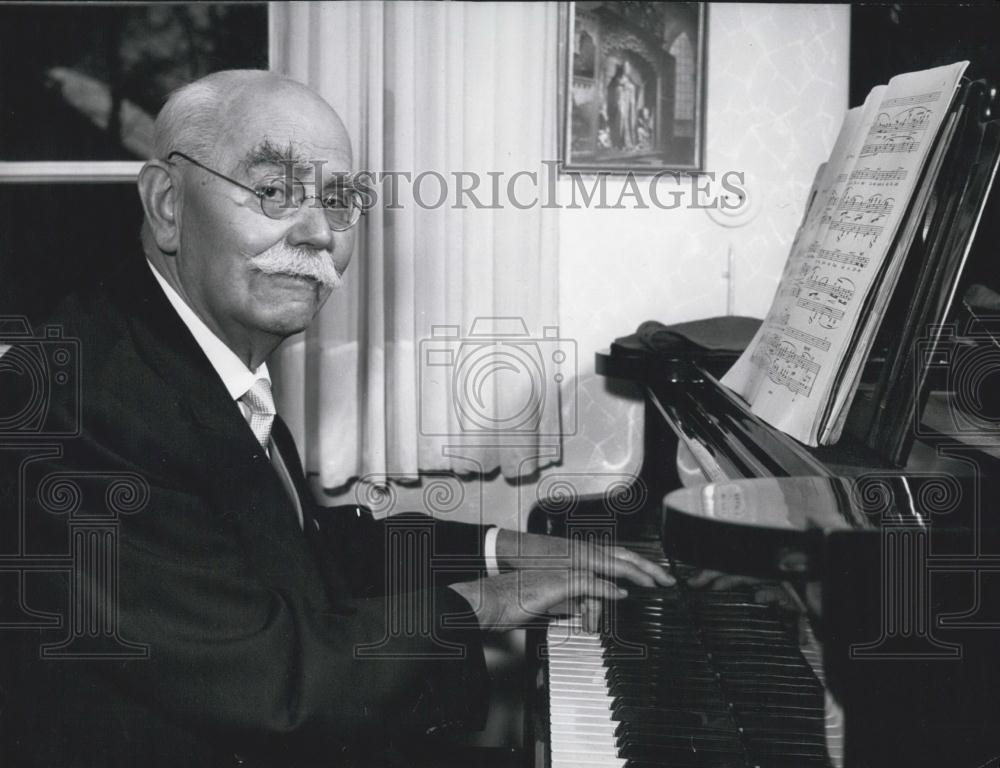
(80, 101)
(632, 87)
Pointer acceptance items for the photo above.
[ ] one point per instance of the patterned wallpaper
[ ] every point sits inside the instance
(776, 93)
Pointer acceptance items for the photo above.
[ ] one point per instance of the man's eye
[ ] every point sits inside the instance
(336, 200)
(272, 192)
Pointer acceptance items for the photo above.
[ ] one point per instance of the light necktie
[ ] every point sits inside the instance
(260, 405)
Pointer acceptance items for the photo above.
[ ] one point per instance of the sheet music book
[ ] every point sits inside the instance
(801, 370)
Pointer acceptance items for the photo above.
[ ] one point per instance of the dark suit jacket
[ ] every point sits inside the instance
(266, 644)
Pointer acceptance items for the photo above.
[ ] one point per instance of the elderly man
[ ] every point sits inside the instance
(247, 624)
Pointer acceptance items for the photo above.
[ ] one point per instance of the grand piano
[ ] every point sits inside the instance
(835, 606)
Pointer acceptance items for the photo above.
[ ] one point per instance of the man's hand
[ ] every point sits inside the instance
(519, 551)
(513, 599)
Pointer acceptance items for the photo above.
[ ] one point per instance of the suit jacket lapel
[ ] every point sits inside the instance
(285, 443)
(238, 473)
(318, 536)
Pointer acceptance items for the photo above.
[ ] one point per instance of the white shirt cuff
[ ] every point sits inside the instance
(490, 551)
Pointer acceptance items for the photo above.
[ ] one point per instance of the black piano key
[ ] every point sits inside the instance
(665, 680)
(753, 650)
(660, 664)
(663, 713)
(697, 701)
(715, 724)
(710, 679)
(629, 713)
(672, 755)
(752, 721)
(676, 690)
(702, 701)
(693, 760)
(768, 697)
(646, 628)
(723, 727)
(786, 747)
(655, 661)
(763, 666)
(815, 737)
(674, 658)
(789, 684)
(719, 617)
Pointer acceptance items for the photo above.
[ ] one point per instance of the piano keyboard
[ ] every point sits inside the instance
(581, 731)
(682, 678)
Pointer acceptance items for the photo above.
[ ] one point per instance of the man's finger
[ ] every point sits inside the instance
(590, 614)
(655, 571)
(730, 581)
(622, 563)
(588, 585)
(702, 578)
(718, 581)
(623, 569)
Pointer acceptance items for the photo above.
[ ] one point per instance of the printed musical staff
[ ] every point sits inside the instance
(782, 377)
(856, 229)
(847, 258)
(842, 290)
(840, 269)
(874, 204)
(908, 122)
(889, 147)
(876, 175)
(827, 317)
(807, 338)
(786, 366)
(909, 101)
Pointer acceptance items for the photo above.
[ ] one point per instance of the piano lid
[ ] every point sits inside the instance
(778, 527)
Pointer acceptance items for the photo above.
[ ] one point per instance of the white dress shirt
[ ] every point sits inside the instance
(237, 379)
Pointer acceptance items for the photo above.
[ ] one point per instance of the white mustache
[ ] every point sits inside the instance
(282, 259)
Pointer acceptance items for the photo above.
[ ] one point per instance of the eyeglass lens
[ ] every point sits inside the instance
(281, 198)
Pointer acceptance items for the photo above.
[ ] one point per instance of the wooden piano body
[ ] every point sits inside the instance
(927, 693)
(906, 607)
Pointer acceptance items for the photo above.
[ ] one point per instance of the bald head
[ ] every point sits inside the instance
(252, 277)
(202, 116)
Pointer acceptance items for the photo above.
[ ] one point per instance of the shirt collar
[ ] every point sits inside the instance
(236, 377)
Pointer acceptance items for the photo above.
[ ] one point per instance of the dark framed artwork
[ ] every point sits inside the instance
(632, 86)
(81, 83)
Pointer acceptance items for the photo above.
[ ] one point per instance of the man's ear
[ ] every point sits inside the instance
(160, 198)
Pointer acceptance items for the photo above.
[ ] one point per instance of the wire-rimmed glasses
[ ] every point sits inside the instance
(281, 197)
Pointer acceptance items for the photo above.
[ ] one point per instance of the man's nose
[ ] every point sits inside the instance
(310, 227)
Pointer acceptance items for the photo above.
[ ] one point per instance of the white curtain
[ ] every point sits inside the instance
(372, 388)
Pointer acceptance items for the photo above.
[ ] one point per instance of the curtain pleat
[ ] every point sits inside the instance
(431, 90)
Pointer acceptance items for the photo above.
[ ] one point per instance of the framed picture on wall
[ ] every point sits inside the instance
(632, 86)
(81, 83)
